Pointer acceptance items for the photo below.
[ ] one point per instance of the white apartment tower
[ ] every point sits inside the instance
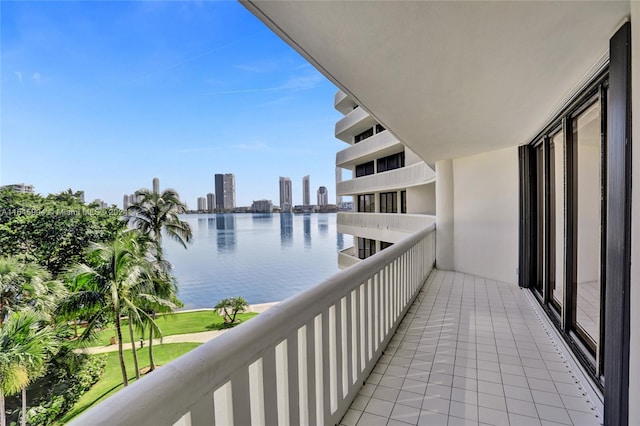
(306, 190)
(286, 195)
(388, 180)
(225, 191)
(202, 204)
(156, 185)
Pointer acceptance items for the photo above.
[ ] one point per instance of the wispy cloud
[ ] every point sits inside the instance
(19, 75)
(36, 77)
(299, 82)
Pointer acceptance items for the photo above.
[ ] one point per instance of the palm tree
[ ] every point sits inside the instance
(24, 348)
(154, 214)
(27, 284)
(111, 286)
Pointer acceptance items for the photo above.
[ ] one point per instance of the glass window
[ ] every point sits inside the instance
(365, 169)
(391, 162)
(388, 202)
(366, 203)
(557, 207)
(403, 201)
(366, 247)
(587, 204)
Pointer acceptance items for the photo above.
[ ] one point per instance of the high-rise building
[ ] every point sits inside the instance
(323, 196)
(132, 198)
(99, 203)
(156, 185)
(225, 191)
(125, 201)
(286, 196)
(262, 206)
(211, 202)
(306, 196)
(20, 188)
(202, 204)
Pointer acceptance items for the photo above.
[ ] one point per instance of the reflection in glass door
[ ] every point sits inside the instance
(567, 210)
(587, 221)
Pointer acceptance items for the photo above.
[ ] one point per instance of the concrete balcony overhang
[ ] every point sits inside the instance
(378, 145)
(389, 227)
(503, 71)
(343, 103)
(405, 177)
(357, 121)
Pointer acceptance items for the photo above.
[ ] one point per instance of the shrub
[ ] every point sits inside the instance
(230, 307)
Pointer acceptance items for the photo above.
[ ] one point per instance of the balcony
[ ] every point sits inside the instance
(388, 340)
(355, 122)
(405, 177)
(343, 103)
(347, 257)
(376, 146)
(302, 362)
(390, 227)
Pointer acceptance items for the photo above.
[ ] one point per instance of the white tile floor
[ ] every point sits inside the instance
(471, 352)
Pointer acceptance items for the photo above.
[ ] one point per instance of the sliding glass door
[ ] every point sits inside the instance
(568, 223)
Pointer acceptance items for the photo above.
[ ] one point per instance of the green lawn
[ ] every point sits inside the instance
(111, 382)
(179, 323)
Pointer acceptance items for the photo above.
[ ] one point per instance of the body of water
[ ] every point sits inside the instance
(261, 257)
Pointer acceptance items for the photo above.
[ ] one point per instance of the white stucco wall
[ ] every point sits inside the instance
(421, 199)
(634, 355)
(486, 214)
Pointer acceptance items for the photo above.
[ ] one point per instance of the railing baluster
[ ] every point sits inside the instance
(340, 353)
(256, 393)
(321, 386)
(376, 312)
(303, 377)
(333, 360)
(282, 383)
(326, 368)
(223, 405)
(347, 367)
(294, 380)
(369, 321)
(269, 381)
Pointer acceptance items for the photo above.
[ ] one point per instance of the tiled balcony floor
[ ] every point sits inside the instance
(471, 352)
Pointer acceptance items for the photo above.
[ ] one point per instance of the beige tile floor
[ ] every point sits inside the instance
(472, 351)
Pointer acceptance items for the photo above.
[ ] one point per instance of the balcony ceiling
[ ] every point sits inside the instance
(451, 78)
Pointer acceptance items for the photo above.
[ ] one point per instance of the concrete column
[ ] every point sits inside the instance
(634, 295)
(444, 215)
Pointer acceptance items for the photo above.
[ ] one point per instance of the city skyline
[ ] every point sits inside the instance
(157, 101)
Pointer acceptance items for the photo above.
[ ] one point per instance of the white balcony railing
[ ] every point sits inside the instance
(376, 146)
(301, 362)
(342, 102)
(405, 177)
(357, 121)
(394, 222)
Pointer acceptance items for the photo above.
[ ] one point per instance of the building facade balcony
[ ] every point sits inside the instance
(376, 146)
(352, 124)
(390, 227)
(343, 102)
(405, 177)
(347, 257)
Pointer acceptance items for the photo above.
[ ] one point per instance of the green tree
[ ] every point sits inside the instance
(111, 285)
(153, 215)
(25, 345)
(27, 284)
(53, 231)
(229, 308)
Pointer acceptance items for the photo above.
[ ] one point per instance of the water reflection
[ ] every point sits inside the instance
(226, 233)
(262, 217)
(306, 225)
(286, 228)
(323, 224)
(340, 241)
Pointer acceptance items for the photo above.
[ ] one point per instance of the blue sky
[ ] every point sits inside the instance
(103, 96)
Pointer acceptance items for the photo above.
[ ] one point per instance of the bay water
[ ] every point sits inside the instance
(261, 257)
